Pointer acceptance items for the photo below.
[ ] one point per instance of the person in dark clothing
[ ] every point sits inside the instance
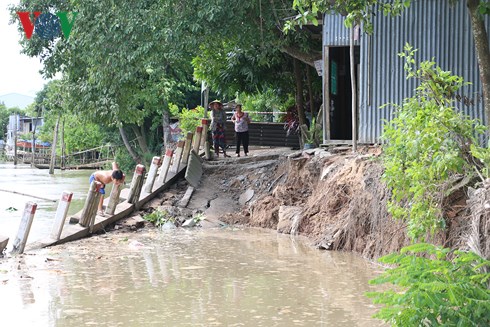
(218, 120)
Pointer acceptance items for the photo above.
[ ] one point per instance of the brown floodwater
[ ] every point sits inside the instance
(223, 277)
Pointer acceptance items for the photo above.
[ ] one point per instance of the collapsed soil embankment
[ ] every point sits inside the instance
(336, 199)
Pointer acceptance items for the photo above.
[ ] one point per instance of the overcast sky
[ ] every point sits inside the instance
(18, 73)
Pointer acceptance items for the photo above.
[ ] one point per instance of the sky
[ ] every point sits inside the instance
(18, 72)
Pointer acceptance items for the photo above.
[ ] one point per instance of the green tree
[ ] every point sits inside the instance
(117, 55)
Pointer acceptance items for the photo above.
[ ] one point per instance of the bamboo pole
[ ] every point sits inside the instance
(30, 195)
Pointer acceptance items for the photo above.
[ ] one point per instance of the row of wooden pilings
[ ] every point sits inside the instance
(172, 161)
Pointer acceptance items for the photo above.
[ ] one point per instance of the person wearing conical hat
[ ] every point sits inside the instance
(218, 120)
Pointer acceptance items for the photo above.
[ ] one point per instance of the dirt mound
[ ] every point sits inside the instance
(342, 201)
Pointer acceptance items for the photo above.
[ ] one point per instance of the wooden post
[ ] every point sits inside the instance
(354, 91)
(177, 157)
(15, 140)
(187, 148)
(91, 203)
(114, 199)
(24, 228)
(60, 216)
(152, 174)
(197, 139)
(205, 129)
(165, 166)
(53, 147)
(136, 184)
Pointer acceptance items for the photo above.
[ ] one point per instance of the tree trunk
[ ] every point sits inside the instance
(167, 136)
(308, 58)
(124, 137)
(483, 53)
(53, 147)
(310, 91)
(354, 91)
(140, 138)
(63, 161)
(299, 92)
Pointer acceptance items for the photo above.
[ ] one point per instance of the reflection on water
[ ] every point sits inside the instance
(187, 278)
(39, 183)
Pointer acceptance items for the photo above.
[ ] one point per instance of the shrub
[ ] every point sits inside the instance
(445, 289)
(428, 145)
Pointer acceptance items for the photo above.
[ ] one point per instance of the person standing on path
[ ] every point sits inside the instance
(105, 177)
(218, 120)
(241, 120)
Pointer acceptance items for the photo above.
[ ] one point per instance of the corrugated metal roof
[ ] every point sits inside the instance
(438, 30)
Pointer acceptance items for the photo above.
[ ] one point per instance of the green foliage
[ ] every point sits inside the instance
(427, 142)
(267, 101)
(124, 160)
(313, 133)
(434, 287)
(355, 11)
(198, 217)
(189, 119)
(158, 217)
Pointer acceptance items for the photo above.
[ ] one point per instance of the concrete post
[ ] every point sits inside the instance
(205, 129)
(136, 184)
(187, 148)
(165, 166)
(197, 139)
(114, 199)
(177, 157)
(91, 203)
(207, 150)
(152, 174)
(24, 228)
(60, 216)
(4, 240)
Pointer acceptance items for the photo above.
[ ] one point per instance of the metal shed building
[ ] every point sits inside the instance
(437, 29)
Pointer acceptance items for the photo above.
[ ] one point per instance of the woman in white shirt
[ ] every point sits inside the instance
(241, 120)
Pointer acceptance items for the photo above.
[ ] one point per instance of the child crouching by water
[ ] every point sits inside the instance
(105, 177)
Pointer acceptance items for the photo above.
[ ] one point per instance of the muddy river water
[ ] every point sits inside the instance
(194, 277)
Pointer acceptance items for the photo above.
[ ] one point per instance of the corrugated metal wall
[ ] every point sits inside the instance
(438, 30)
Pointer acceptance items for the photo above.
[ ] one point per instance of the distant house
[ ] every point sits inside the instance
(23, 125)
(437, 29)
(12, 100)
